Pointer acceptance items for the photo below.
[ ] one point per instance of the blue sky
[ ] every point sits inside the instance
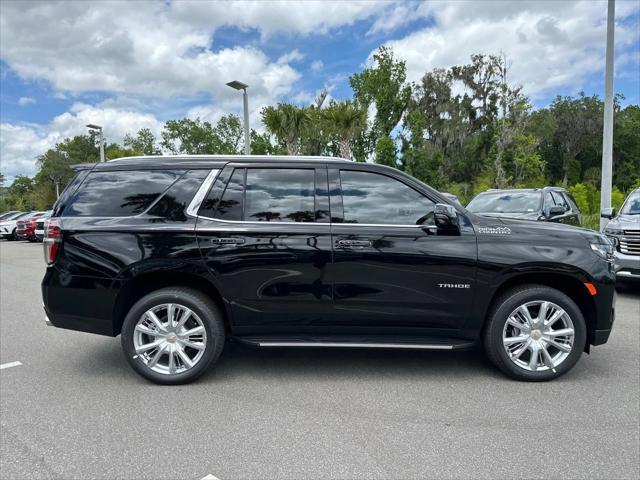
(129, 65)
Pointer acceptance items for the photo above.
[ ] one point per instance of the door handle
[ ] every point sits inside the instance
(227, 241)
(353, 243)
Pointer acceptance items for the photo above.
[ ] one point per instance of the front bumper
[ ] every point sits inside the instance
(627, 266)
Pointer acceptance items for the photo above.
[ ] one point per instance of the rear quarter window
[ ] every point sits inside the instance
(119, 194)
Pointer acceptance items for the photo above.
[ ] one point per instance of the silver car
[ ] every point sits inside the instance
(624, 230)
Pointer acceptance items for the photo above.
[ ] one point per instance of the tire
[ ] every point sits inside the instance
(204, 312)
(12, 237)
(500, 330)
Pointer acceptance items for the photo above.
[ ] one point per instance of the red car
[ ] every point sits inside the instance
(26, 227)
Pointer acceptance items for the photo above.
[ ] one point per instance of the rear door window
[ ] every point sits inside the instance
(280, 195)
(120, 193)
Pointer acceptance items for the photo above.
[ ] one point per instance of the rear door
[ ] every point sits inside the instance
(392, 268)
(264, 234)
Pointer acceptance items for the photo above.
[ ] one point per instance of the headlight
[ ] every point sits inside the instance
(603, 250)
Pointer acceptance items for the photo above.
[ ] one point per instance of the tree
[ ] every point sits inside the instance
(578, 128)
(288, 123)
(383, 86)
(196, 137)
(386, 152)
(144, 143)
(344, 120)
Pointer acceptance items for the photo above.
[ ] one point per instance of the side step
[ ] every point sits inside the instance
(411, 343)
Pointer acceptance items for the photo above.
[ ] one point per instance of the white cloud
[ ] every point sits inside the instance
(291, 57)
(549, 44)
(21, 144)
(307, 17)
(317, 65)
(26, 101)
(395, 17)
(132, 48)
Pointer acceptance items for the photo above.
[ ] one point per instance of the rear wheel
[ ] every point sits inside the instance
(173, 335)
(535, 333)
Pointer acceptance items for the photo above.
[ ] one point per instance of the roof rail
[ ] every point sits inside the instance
(237, 158)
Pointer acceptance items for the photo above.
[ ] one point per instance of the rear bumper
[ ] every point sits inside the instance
(78, 303)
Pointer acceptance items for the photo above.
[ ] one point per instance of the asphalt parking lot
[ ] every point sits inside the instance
(74, 409)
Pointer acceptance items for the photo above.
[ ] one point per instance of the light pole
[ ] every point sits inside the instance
(245, 99)
(98, 128)
(607, 131)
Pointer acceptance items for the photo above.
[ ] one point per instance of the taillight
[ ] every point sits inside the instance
(52, 240)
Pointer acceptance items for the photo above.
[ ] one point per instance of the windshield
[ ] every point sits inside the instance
(632, 205)
(13, 216)
(505, 202)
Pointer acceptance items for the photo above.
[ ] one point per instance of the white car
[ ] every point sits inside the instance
(8, 225)
(41, 226)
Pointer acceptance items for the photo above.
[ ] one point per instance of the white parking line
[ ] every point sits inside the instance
(210, 477)
(9, 365)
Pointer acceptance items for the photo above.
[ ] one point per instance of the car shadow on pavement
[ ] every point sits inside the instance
(240, 361)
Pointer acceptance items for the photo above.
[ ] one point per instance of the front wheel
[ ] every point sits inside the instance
(535, 333)
(172, 335)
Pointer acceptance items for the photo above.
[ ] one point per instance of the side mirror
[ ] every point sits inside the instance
(608, 213)
(446, 218)
(557, 210)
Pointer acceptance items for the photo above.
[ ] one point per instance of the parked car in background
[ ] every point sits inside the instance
(41, 223)
(8, 225)
(8, 214)
(624, 230)
(26, 227)
(549, 204)
(177, 254)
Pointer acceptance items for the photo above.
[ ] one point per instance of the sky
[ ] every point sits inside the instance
(132, 65)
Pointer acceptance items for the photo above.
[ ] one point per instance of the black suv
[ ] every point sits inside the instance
(549, 204)
(180, 254)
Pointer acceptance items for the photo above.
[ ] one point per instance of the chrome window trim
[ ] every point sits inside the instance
(250, 222)
(194, 206)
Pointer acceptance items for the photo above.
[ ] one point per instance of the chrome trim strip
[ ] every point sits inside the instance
(249, 222)
(624, 273)
(356, 345)
(47, 321)
(194, 206)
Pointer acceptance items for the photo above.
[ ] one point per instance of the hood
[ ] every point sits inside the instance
(625, 222)
(550, 231)
(518, 215)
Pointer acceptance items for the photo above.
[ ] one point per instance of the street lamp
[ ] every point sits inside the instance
(607, 130)
(93, 128)
(245, 98)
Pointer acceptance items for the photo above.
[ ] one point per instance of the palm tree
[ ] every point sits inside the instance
(345, 120)
(288, 123)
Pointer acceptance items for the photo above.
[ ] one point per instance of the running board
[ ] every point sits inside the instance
(408, 344)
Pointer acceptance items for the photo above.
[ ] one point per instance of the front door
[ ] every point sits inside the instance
(393, 271)
(265, 236)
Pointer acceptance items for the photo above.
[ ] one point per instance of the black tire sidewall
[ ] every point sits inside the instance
(500, 315)
(202, 306)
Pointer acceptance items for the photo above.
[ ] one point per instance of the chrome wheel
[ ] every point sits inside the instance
(538, 336)
(170, 338)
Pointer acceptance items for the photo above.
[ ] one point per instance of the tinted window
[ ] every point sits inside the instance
(280, 195)
(118, 194)
(174, 202)
(377, 199)
(560, 200)
(66, 194)
(230, 205)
